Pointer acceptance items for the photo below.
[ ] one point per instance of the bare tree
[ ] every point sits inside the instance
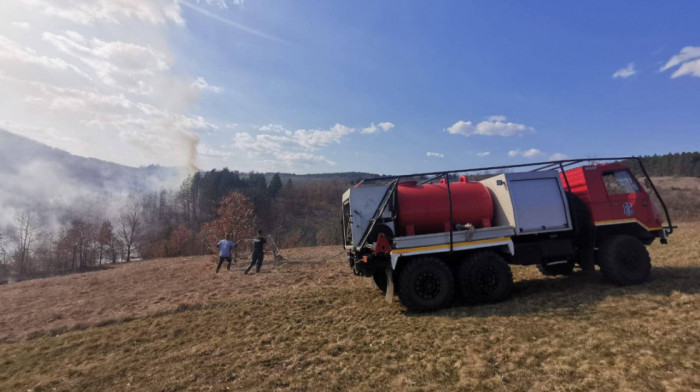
(104, 239)
(27, 228)
(130, 226)
(3, 249)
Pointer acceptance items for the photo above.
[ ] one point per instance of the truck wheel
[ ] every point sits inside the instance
(426, 284)
(379, 279)
(485, 277)
(624, 260)
(556, 269)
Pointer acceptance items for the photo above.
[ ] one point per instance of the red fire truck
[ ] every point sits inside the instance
(430, 236)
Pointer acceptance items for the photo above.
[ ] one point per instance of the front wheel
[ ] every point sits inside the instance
(624, 260)
(426, 284)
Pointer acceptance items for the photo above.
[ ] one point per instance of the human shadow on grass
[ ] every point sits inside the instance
(572, 294)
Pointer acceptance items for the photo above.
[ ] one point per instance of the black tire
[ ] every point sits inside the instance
(426, 284)
(485, 277)
(624, 260)
(557, 269)
(379, 279)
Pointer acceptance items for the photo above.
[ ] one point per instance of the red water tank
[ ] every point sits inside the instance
(424, 209)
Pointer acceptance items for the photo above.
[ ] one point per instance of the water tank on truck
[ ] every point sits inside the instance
(424, 209)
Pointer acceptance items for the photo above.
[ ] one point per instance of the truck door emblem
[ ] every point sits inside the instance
(627, 209)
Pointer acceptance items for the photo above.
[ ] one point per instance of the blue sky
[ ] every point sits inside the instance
(398, 87)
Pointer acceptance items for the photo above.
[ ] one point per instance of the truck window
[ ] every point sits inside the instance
(620, 182)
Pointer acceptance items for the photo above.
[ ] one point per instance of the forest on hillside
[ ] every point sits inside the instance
(682, 164)
(294, 210)
(187, 221)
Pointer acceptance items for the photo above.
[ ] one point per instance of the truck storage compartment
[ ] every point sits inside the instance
(531, 202)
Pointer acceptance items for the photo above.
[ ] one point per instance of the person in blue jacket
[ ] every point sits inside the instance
(225, 247)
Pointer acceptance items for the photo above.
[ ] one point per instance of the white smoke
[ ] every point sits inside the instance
(95, 78)
(55, 187)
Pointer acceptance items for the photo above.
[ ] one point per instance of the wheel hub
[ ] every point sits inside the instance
(428, 285)
(487, 279)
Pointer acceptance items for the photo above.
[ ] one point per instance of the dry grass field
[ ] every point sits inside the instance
(172, 324)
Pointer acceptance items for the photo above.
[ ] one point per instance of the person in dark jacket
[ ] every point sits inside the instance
(258, 252)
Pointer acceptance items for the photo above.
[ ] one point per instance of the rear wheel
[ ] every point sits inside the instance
(426, 284)
(624, 260)
(485, 277)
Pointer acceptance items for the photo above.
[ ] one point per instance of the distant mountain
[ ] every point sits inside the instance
(17, 152)
(347, 177)
(54, 184)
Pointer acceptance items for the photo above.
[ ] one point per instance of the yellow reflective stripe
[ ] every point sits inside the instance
(619, 221)
(456, 245)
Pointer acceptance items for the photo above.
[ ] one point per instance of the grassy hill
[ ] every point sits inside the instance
(172, 324)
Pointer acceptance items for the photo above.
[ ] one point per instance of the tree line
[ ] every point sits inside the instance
(682, 164)
(187, 221)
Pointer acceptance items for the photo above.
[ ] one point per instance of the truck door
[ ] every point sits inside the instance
(626, 199)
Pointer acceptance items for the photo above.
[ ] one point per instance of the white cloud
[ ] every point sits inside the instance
(118, 64)
(201, 84)
(212, 152)
(314, 139)
(276, 145)
(370, 130)
(483, 154)
(384, 126)
(557, 156)
(95, 78)
(462, 128)
(223, 4)
(626, 72)
(434, 154)
(22, 25)
(275, 128)
(12, 53)
(87, 12)
(531, 153)
(689, 61)
(494, 125)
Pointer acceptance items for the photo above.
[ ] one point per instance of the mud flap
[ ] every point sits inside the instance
(587, 259)
(389, 285)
